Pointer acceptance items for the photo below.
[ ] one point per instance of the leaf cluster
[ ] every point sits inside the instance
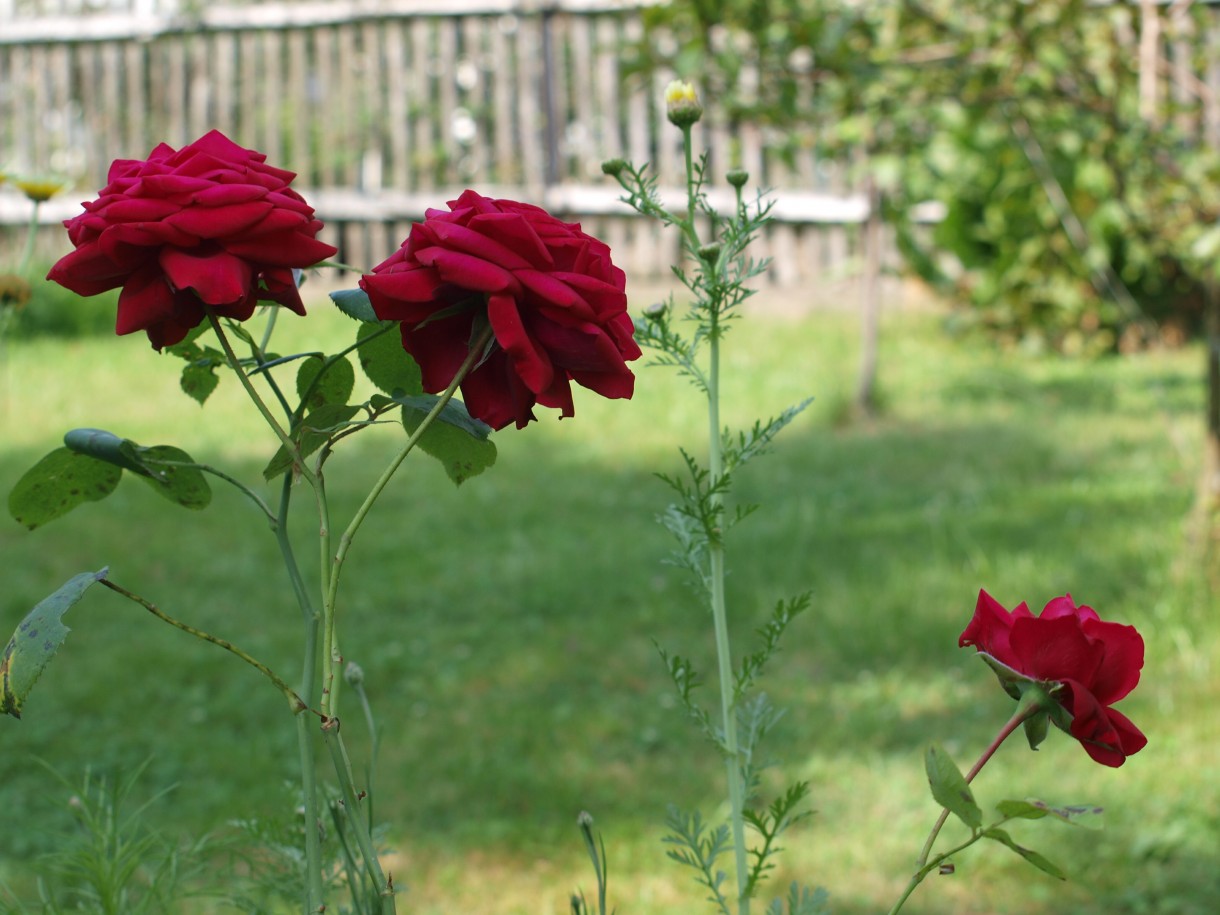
(951, 790)
(91, 463)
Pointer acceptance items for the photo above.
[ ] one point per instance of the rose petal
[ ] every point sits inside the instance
(1054, 649)
(1119, 670)
(218, 278)
(466, 271)
(529, 361)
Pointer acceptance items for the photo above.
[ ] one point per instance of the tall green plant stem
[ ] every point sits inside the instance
(724, 654)
(330, 660)
(1026, 710)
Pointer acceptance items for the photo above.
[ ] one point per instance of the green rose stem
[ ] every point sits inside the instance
(309, 675)
(724, 655)
(297, 703)
(1031, 705)
(314, 901)
(329, 655)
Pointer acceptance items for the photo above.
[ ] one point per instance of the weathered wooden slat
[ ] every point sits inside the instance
(282, 15)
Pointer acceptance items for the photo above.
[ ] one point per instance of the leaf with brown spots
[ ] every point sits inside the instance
(59, 483)
(36, 641)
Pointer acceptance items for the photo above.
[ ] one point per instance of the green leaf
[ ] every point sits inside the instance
(199, 378)
(1036, 728)
(355, 304)
(315, 429)
(319, 383)
(59, 483)
(36, 641)
(185, 486)
(1028, 854)
(456, 439)
(950, 788)
(385, 362)
(1085, 815)
(156, 464)
(198, 381)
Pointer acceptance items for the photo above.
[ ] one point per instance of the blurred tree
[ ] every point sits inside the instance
(1080, 200)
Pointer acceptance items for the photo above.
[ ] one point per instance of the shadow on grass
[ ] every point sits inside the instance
(507, 628)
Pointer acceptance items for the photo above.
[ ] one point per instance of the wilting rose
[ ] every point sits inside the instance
(209, 224)
(554, 301)
(1097, 663)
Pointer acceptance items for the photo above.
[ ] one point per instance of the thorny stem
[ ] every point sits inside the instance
(297, 703)
(343, 770)
(1027, 709)
(235, 364)
(314, 901)
(345, 541)
(315, 892)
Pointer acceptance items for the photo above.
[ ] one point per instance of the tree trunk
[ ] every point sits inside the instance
(1210, 490)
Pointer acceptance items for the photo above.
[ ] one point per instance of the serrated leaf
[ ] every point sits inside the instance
(456, 439)
(454, 414)
(950, 788)
(156, 464)
(355, 304)
(385, 362)
(185, 486)
(1028, 854)
(198, 381)
(36, 640)
(315, 429)
(58, 483)
(334, 386)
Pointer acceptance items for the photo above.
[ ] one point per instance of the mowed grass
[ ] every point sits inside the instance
(507, 628)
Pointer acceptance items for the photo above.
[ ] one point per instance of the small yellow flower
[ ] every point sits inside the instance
(682, 104)
(40, 190)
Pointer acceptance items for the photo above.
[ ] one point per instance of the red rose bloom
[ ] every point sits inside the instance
(209, 224)
(1097, 663)
(553, 298)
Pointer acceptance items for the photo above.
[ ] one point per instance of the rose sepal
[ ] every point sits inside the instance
(1039, 694)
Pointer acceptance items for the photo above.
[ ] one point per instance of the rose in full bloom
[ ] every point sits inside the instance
(554, 300)
(1095, 664)
(210, 224)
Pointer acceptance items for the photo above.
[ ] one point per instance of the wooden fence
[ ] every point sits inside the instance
(384, 107)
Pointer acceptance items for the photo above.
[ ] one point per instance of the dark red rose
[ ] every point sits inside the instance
(210, 223)
(1096, 662)
(554, 300)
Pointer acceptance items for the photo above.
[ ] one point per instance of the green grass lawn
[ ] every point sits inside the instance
(507, 628)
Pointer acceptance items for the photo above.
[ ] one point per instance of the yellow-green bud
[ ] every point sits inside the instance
(682, 104)
(708, 253)
(655, 311)
(738, 177)
(613, 167)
